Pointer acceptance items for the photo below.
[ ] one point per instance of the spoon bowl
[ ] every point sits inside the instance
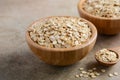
(116, 50)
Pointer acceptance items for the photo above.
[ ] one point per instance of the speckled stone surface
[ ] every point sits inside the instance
(17, 62)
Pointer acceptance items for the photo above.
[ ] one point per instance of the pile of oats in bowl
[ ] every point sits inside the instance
(103, 8)
(60, 32)
(106, 55)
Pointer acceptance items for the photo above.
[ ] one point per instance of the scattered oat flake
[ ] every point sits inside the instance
(90, 70)
(93, 76)
(80, 75)
(86, 76)
(93, 73)
(94, 68)
(83, 72)
(103, 70)
(110, 75)
(81, 69)
(116, 73)
(97, 74)
(77, 76)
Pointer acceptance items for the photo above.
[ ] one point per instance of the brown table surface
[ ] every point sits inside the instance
(17, 62)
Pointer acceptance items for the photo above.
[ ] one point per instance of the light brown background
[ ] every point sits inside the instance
(17, 62)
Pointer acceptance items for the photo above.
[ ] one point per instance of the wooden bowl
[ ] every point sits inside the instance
(108, 26)
(62, 56)
(107, 63)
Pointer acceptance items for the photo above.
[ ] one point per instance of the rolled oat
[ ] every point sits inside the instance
(60, 32)
(103, 8)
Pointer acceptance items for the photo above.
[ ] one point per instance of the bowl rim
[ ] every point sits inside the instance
(108, 63)
(80, 7)
(92, 39)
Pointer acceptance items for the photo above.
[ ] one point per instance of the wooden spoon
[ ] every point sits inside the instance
(116, 50)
